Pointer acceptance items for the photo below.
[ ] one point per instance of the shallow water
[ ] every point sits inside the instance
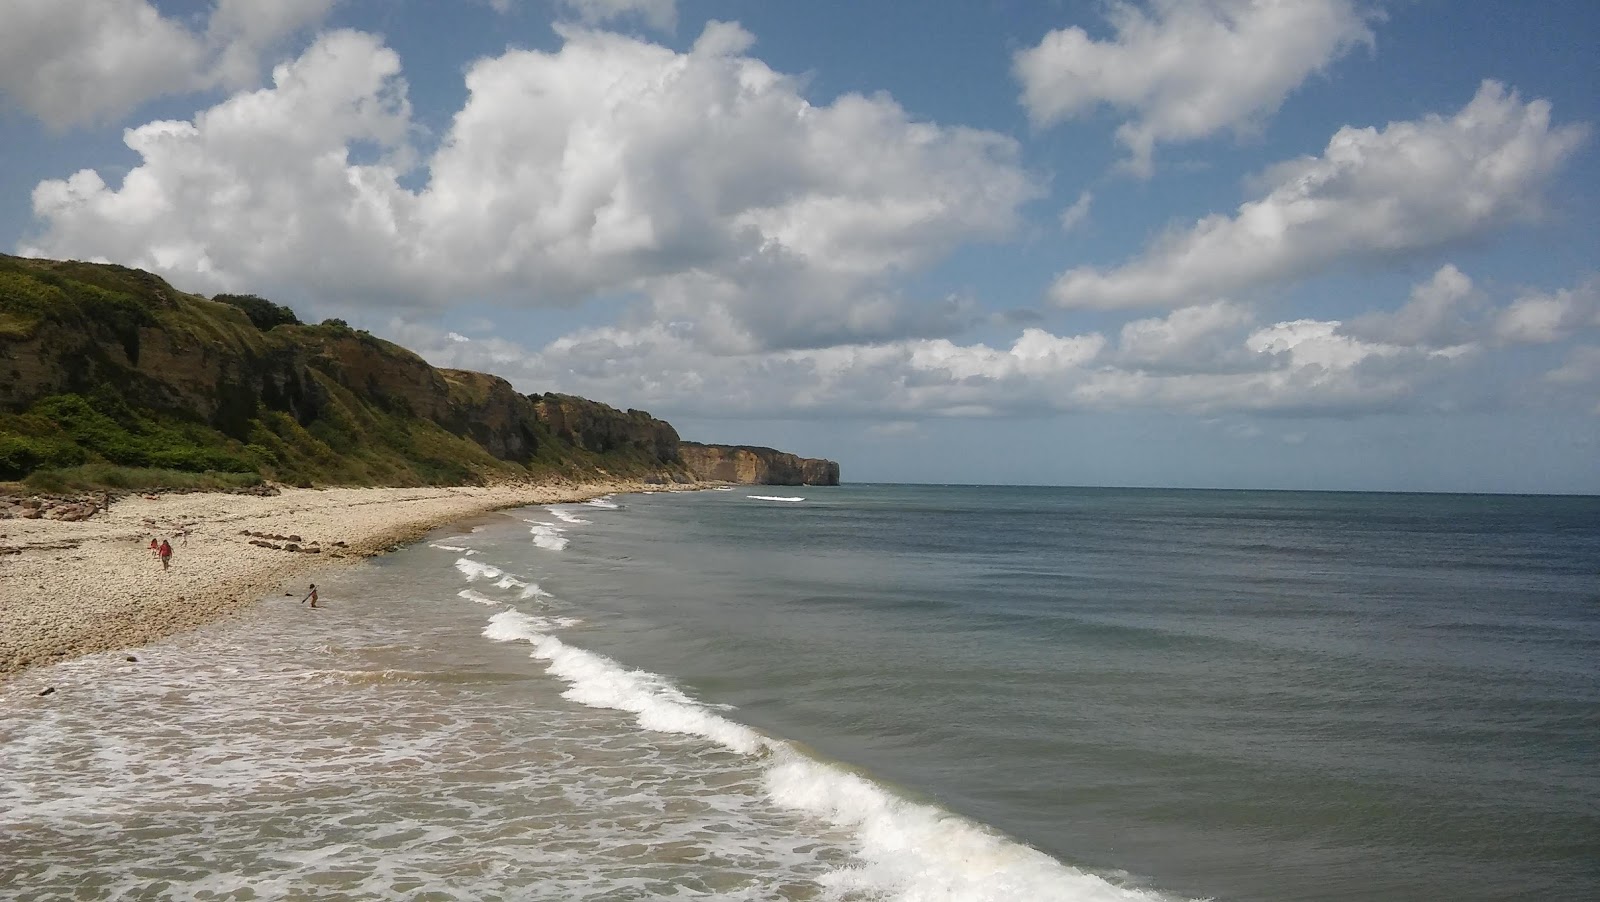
(1143, 694)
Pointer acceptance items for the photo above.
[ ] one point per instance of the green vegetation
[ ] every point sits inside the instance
(111, 378)
(263, 313)
(93, 477)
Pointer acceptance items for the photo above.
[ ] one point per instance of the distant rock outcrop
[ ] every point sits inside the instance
(751, 465)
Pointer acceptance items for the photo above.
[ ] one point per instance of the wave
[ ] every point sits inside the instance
(775, 498)
(907, 850)
(723, 488)
(479, 597)
(475, 570)
(548, 536)
(604, 502)
(508, 626)
(458, 549)
(564, 515)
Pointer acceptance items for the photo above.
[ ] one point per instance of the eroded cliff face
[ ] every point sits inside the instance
(751, 465)
(107, 363)
(602, 429)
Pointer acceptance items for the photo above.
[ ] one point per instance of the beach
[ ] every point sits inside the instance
(75, 588)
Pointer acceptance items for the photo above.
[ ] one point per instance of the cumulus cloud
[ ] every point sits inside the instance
(611, 165)
(74, 61)
(1203, 338)
(1372, 194)
(260, 182)
(1542, 318)
(1185, 69)
(1439, 313)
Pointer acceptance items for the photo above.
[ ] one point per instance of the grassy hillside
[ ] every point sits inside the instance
(111, 377)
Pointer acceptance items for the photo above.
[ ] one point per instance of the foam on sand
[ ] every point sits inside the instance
(906, 851)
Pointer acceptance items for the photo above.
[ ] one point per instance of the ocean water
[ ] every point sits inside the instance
(859, 693)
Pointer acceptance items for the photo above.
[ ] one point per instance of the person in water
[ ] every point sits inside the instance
(166, 554)
(311, 597)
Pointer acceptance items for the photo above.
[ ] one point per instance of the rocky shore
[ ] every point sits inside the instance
(77, 575)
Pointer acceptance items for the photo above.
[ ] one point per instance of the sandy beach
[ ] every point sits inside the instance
(75, 588)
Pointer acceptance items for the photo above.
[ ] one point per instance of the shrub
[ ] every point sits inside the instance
(263, 313)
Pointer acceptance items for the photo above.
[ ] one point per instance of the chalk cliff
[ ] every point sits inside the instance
(756, 466)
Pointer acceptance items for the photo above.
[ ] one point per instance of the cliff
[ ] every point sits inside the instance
(107, 367)
(757, 466)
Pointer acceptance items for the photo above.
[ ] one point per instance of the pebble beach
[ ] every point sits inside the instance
(77, 587)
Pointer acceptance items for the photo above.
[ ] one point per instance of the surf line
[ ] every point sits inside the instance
(913, 850)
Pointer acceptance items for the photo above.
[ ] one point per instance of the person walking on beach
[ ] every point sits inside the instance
(155, 551)
(166, 554)
(311, 597)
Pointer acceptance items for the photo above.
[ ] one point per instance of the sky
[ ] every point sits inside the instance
(1304, 244)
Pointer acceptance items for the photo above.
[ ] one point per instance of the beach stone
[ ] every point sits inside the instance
(47, 691)
(131, 658)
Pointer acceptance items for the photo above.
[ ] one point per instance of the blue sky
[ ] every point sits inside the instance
(1315, 244)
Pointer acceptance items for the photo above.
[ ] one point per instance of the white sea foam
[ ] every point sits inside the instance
(564, 515)
(456, 548)
(475, 571)
(724, 488)
(513, 626)
(907, 851)
(548, 536)
(604, 502)
(479, 597)
(775, 498)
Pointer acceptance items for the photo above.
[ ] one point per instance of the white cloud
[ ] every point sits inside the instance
(1372, 194)
(1546, 318)
(74, 61)
(1582, 366)
(1185, 69)
(1208, 360)
(703, 179)
(1204, 338)
(1078, 213)
(1438, 314)
(661, 14)
(261, 182)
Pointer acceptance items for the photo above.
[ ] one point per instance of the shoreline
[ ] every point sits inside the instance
(78, 588)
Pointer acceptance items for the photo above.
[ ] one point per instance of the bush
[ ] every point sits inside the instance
(21, 455)
(263, 313)
(109, 476)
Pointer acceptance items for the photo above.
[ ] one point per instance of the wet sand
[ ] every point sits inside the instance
(77, 588)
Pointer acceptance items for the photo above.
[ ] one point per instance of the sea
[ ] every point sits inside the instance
(866, 692)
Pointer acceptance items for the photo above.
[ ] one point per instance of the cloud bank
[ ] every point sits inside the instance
(1410, 187)
(701, 179)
